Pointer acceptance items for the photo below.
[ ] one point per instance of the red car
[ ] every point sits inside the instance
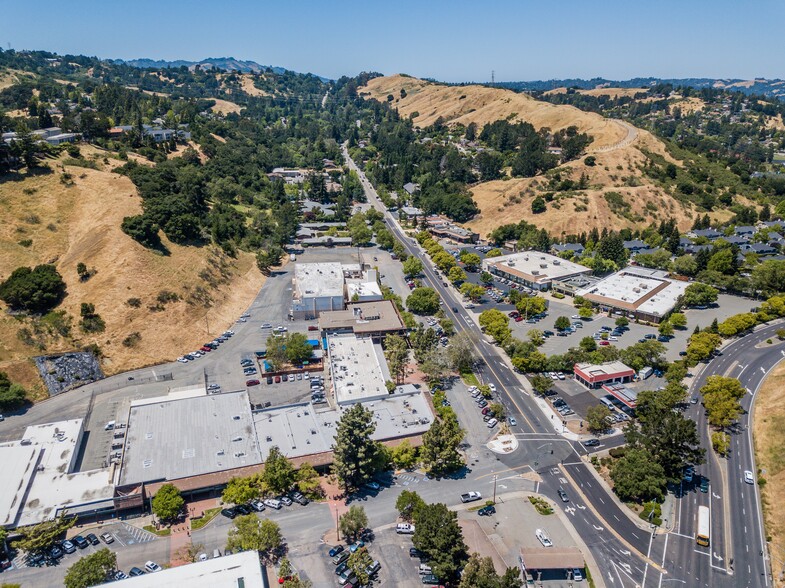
(252, 383)
(518, 319)
(313, 328)
(604, 343)
(277, 379)
(512, 314)
(205, 348)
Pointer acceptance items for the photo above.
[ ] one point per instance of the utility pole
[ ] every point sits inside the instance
(494, 488)
(493, 77)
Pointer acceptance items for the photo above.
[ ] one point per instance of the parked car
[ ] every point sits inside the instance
(299, 498)
(404, 529)
(340, 558)
(134, 571)
(92, 539)
(80, 542)
(107, 538)
(151, 566)
(543, 538)
(68, 547)
(252, 382)
(242, 509)
(229, 513)
(336, 550)
(487, 511)
(471, 496)
(285, 500)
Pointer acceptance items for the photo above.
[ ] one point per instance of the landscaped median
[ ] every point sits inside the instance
(163, 532)
(207, 516)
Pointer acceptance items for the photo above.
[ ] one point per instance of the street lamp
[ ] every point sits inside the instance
(494, 488)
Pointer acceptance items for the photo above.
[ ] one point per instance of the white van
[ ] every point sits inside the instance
(425, 569)
(109, 426)
(607, 402)
(273, 503)
(404, 529)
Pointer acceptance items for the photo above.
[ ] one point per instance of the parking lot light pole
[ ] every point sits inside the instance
(494, 488)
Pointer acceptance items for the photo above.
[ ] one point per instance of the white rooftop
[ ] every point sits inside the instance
(363, 290)
(358, 368)
(314, 280)
(304, 429)
(37, 478)
(188, 434)
(239, 570)
(632, 287)
(535, 265)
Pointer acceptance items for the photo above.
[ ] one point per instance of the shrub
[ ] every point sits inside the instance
(134, 302)
(132, 340)
(34, 290)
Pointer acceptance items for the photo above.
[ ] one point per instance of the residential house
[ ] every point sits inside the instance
(758, 248)
(709, 233)
(635, 245)
(745, 230)
(410, 188)
(576, 248)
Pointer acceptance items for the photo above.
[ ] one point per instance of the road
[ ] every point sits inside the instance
(738, 538)
(619, 545)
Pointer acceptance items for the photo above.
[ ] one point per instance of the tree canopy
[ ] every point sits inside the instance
(36, 289)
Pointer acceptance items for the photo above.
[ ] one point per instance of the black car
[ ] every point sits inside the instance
(80, 542)
(54, 552)
(229, 513)
(92, 539)
(242, 509)
(487, 511)
(134, 571)
(563, 495)
(414, 552)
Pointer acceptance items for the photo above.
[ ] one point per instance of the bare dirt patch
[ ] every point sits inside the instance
(249, 88)
(769, 436)
(81, 223)
(225, 107)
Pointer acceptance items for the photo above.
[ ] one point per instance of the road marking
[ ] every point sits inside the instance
(596, 528)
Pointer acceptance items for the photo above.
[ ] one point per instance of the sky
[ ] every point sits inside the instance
(452, 41)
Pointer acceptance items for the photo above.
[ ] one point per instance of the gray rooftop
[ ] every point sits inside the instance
(313, 280)
(170, 438)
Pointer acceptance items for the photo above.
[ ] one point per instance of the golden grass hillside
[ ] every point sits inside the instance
(617, 148)
(481, 105)
(66, 225)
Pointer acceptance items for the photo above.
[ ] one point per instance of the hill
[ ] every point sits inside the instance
(621, 151)
(225, 63)
(77, 223)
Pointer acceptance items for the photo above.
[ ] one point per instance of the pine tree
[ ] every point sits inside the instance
(354, 452)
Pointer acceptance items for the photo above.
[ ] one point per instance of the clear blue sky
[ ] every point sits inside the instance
(457, 40)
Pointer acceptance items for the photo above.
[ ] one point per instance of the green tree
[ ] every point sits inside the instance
(352, 522)
(308, 482)
(611, 247)
(404, 456)
(472, 291)
(397, 354)
(358, 562)
(461, 352)
(699, 294)
(562, 323)
(595, 417)
(701, 346)
(298, 350)
(538, 205)
(480, 572)
(444, 261)
(276, 352)
(530, 305)
(495, 252)
(412, 267)
(471, 261)
(91, 570)
(279, 474)
(622, 321)
(541, 384)
(456, 275)
(665, 329)
(11, 395)
(241, 490)
(585, 312)
(423, 301)
(685, 265)
(167, 504)
(637, 477)
(250, 533)
(439, 537)
(40, 536)
(408, 504)
(36, 289)
(143, 230)
(588, 344)
(722, 399)
(496, 324)
(536, 337)
(486, 278)
(439, 451)
(678, 320)
(354, 452)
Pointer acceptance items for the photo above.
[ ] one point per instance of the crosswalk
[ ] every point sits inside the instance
(407, 479)
(130, 535)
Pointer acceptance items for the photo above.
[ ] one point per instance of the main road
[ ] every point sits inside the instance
(621, 547)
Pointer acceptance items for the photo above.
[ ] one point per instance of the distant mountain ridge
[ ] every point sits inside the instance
(225, 63)
(760, 86)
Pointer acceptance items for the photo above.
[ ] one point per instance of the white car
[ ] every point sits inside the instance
(492, 387)
(542, 536)
(492, 423)
(182, 360)
(472, 388)
(560, 375)
(748, 477)
(151, 566)
(613, 338)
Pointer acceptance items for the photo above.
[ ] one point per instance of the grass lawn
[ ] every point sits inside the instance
(470, 379)
(165, 532)
(208, 516)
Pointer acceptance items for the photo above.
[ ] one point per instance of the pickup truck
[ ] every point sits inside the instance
(470, 496)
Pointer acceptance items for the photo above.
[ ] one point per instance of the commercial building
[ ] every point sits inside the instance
(187, 434)
(640, 293)
(595, 375)
(358, 368)
(317, 287)
(364, 319)
(533, 269)
(39, 480)
(238, 570)
(622, 394)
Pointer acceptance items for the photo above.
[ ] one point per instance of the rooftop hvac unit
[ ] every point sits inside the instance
(512, 263)
(644, 286)
(543, 265)
(556, 262)
(535, 272)
(636, 290)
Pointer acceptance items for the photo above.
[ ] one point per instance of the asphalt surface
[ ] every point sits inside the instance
(619, 546)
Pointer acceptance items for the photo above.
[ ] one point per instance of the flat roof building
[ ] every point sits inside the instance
(39, 480)
(317, 287)
(187, 434)
(358, 368)
(641, 293)
(595, 375)
(533, 269)
(239, 570)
